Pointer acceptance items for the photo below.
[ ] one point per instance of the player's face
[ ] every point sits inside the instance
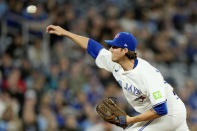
(117, 53)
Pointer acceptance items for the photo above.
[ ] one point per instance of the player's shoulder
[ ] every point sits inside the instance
(105, 52)
(149, 71)
(143, 64)
(143, 61)
(104, 60)
(145, 67)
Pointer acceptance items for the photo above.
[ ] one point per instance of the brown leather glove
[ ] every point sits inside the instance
(111, 113)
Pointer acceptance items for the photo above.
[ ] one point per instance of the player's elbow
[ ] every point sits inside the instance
(161, 109)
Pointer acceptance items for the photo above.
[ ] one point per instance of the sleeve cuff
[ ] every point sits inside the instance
(94, 48)
(161, 108)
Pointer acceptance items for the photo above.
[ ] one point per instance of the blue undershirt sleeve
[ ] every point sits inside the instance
(94, 48)
(161, 109)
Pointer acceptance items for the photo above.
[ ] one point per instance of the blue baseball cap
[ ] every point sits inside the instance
(124, 40)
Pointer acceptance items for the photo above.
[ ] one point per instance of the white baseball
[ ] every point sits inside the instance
(31, 9)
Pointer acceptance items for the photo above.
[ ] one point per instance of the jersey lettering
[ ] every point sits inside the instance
(130, 88)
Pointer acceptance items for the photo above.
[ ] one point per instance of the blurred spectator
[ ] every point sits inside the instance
(37, 55)
(53, 76)
(16, 87)
(64, 67)
(104, 127)
(93, 90)
(46, 119)
(29, 120)
(10, 121)
(161, 48)
(58, 107)
(17, 50)
(13, 18)
(192, 51)
(29, 116)
(6, 65)
(58, 51)
(25, 69)
(71, 124)
(91, 118)
(63, 87)
(191, 102)
(127, 22)
(77, 78)
(14, 82)
(105, 77)
(112, 90)
(3, 8)
(5, 98)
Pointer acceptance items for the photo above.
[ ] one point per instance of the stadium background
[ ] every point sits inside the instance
(47, 83)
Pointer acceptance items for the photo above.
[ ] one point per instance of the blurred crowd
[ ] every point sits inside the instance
(48, 83)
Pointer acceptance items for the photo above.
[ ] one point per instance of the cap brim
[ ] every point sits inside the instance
(111, 42)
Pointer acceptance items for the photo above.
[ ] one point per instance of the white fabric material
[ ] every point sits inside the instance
(143, 87)
(176, 122)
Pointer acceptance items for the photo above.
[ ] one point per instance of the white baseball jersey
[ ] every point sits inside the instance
(143, 86)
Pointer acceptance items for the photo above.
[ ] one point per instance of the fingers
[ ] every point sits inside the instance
(51, 32)
(50, 28)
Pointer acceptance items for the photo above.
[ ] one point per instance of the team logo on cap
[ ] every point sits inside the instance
(125, 45)
(116, 36)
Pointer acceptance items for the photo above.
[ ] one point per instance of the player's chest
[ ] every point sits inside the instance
(128, 84)
(132, 89)
(132, 92)
(128, 81)
(129, 87)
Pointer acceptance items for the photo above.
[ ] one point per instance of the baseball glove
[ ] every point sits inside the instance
(111, 113)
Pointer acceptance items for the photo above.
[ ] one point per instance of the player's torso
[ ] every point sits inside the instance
(143, 86)
(133, 88)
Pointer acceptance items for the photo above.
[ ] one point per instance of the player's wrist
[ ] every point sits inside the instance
(130, 120)
(64, 33)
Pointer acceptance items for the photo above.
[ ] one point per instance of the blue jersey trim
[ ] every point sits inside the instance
(159, 103)
(135, 63)
(93, 48)
(161, 109)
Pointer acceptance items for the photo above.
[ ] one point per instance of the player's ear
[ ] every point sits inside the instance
(125, 50)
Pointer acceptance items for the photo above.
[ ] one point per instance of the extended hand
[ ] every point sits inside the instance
(57, 30)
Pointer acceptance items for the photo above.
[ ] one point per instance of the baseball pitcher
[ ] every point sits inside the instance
(143, 85)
